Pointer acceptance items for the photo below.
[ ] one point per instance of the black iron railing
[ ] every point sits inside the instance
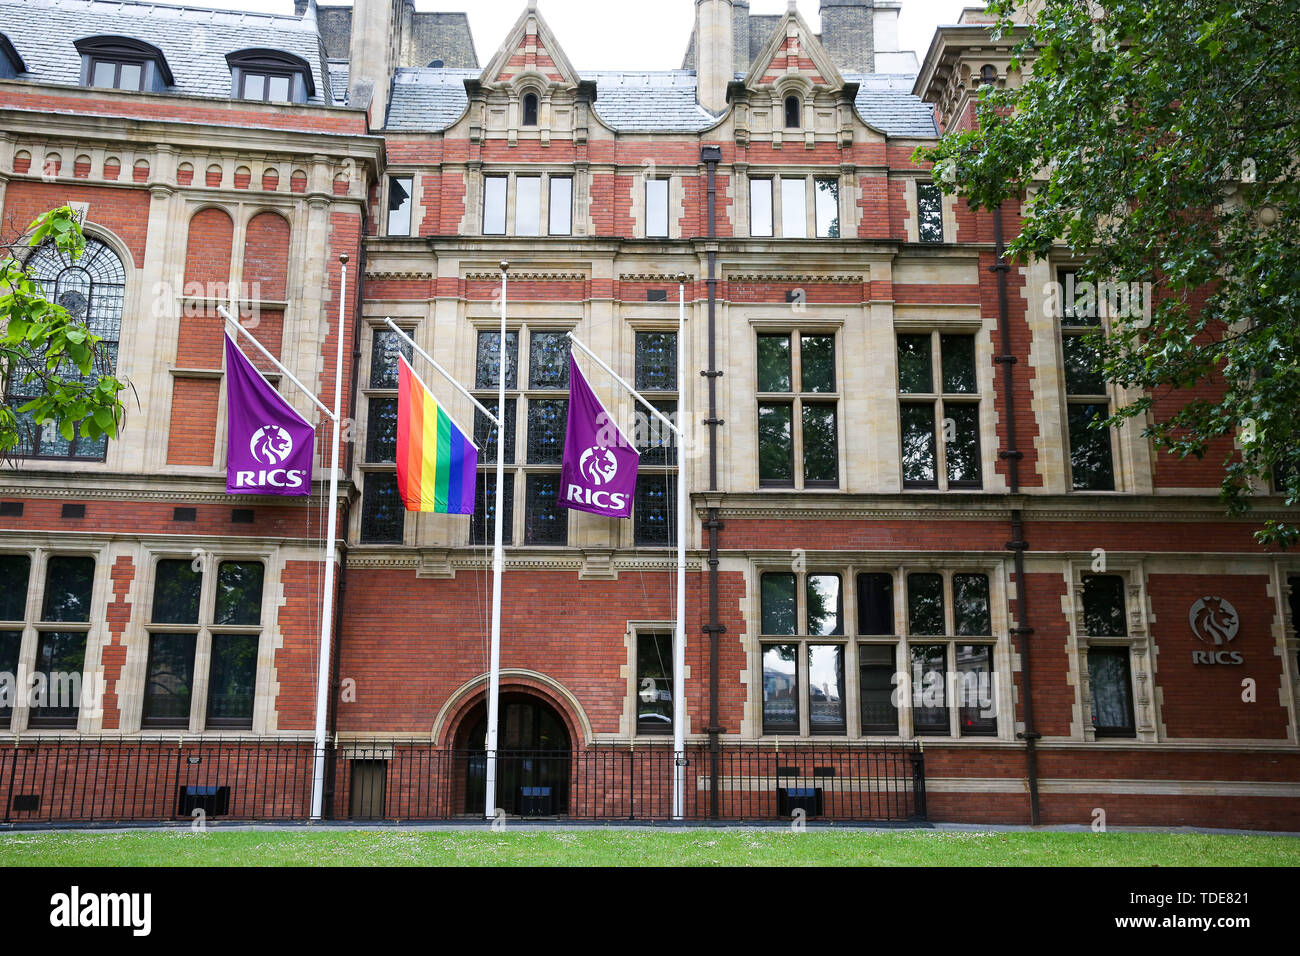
(133, 779)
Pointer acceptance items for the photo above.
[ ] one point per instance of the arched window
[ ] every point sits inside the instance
(530, 109)
(436, 64)
(91, 289)
(988, 74)
(793, 111)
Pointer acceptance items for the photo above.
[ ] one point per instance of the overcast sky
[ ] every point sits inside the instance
(631, 34)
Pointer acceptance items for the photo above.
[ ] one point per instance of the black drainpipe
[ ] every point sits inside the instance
(711, 156)
(1017, 545)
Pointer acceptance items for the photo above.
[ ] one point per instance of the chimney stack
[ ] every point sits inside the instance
(376, 42)
(847, 34)
(713, 53)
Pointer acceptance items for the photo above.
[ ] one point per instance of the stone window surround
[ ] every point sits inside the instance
(1122, 465)
(131, 683)
(1146, 711)
(545, 173)
(521, 468)
(88, 720)
(985, 372)
(797, 398)
(848, 567)
(982, 398)
(778, 173)
(627, 722)
(362, 425)
(912, 221)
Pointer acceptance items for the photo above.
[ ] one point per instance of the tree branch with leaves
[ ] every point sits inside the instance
(57, 366)
(1157, 140)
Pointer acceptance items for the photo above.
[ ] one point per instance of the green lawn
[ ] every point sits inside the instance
(641, 848)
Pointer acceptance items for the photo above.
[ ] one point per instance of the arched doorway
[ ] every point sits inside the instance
(533, 761)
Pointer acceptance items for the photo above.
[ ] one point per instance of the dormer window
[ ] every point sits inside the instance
(270, 75)
(122, 63)
(793, 113)
(11, 64)
(530, 109)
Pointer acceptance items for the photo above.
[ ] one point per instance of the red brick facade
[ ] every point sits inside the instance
(409, 649)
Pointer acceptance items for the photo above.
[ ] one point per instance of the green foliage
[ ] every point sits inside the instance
(44, 350)
(1159, 142)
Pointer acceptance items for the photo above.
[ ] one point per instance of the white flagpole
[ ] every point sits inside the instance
(327, 599)
(679, 638)
(494, 671)
(327, 603)
(494, 667)
(679, 631)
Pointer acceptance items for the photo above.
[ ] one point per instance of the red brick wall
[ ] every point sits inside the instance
(236, 113)
(191, 439)
(113, 655)
(1022, 372)
(1204, 700)
(1054, 696)
(125, 211)
(278, 519)
(207, 271)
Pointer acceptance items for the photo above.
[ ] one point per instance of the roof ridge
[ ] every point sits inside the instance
(226, 15)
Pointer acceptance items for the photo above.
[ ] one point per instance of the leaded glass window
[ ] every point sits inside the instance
(91, 289)
(929, 212)
(545, 522)
(548, 360)
(656, 361)
(382, 512)
(654, 513)
(482, 527)
(488, 360)
(385, 346)
(547, 419)
(381, 430)
(485, 434)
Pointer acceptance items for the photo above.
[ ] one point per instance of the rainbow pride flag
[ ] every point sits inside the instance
(436, 462)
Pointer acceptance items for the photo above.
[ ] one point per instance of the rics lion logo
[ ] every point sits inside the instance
(271, 445)
(598, 466)
(1213, 620)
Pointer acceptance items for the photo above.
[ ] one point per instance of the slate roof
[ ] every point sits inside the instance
(339, 81)
(194, 40)
(885, 101)
(650, 101)
(662, 101)
(427, 99)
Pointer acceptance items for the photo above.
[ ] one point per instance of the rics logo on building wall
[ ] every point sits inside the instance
(1214, 621)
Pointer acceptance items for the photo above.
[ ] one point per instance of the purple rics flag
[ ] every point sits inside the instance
(269, 447)
(599, 471)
